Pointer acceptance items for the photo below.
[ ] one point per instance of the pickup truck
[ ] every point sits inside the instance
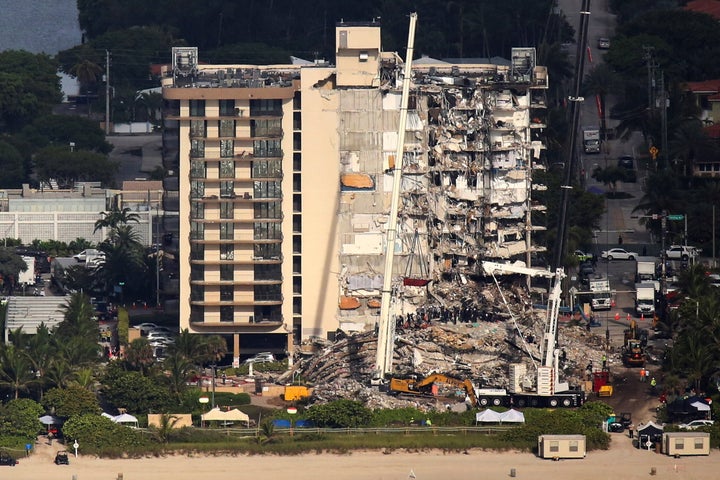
(681, 252)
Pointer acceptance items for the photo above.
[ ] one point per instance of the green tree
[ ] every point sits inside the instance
(78, 333)
(71, 401)
(96, 433)
(19, 418)
(11, 264)
(165, 428)
(178, 370)
(68, 168)
(139, 355)
(15, 370)
(12, 165)
(61, 130)
(340, 414)
(135, 392)
(29, 87)
(115, 218)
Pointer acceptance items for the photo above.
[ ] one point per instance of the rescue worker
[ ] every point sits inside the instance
(653, 384)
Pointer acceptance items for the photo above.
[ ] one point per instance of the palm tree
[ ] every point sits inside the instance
(16, 370)
(116, 217)
(695, 357)
(139, 355)
(178, 370)
(688, 143)
(165, 427)
(86, 71)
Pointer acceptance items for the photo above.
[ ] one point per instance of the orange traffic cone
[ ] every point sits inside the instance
(642, 316)
(628, 317)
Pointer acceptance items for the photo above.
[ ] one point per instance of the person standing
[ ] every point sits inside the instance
(653, 384)
(642, 374)
(604, 361)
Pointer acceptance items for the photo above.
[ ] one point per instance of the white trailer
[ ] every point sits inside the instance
(28, 276)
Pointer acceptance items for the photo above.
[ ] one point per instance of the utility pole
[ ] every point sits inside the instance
(107, 92)
(663, 117)
(648, 56)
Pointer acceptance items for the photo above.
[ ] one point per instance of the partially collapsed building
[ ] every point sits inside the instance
(285, 176)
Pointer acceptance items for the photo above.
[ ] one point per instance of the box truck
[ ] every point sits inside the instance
(591, 139)
(645, 299)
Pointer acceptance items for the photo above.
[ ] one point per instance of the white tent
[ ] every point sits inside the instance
(107, 415)
(51, 420)
(700, 406)
(487, 416)
(512, 415)
(125, 418)
(236, 415)
(214, 414)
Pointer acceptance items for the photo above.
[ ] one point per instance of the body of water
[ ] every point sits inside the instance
(39, 26)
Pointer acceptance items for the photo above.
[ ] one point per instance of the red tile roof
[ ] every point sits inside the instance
(710, 7)
(706, 86)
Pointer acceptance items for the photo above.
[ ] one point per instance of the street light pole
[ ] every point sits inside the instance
(157, 257)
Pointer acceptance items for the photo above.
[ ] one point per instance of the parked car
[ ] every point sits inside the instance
(262, 357)
(603, 43)
(146, 328)
(695, 424)
(61, 458)
(152, 336)
(626, 161)
(618, 254)
(681, 252)
(164, 330)
(6, 459)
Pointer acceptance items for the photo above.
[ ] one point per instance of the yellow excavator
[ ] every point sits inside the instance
(423, 386)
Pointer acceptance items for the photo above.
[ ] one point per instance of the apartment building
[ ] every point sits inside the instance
(285, 179)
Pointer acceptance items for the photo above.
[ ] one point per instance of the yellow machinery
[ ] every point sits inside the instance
(424, 386)
(296, 392)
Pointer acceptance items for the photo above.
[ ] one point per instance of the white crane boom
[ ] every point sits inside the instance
(386, 327)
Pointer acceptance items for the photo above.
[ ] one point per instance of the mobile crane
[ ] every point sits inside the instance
(547, 390)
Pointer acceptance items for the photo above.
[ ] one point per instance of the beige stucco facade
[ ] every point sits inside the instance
(285, 175)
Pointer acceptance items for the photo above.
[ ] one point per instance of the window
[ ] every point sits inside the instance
(698, 443)
(197, 210)
(268, 272)
(267, 293)
(227, 189)
(226, 293)
(297, 122)
(297, 141)
(297, 182)
(197, 189)
(227, 108)
(267, 190)
(226, 128)
(197, 108)
(197, 128)
(227, 313)
(197, 148)
(574, 446)
(227, 251)
(197, 272)
(296, 265)
(197, 313)
(266, 169)
(226, 272)
(297, 204)
(679, 444)
(267, 251)
(227, 148)
(297, 306)
(197, 251)
(197, 293)
(197, 169)
(297, 286)
(266, 107)
(227, 169)
(265, 128)
(297, 244)
(268, 210)
(226, 231)
(267, 231)
(297, 224)
(297, 161)
(554, 446)
(227, 210)
(267, 148)
(197, 231)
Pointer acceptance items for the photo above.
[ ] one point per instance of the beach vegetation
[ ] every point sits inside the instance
(71, 401)
(340, 414)
(19, 421)
(99, 435)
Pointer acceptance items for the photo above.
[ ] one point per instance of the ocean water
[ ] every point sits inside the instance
(39, 26)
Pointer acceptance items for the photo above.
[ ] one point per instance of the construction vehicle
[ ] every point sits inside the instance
(427, 386)
(633, 353)
(546, 390)
(294, 393)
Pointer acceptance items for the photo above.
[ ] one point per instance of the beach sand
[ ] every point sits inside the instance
(621, 461)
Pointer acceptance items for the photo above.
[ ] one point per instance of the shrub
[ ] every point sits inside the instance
(97, 434)
(340, 414)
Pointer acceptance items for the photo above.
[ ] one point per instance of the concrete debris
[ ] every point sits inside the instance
(480, 350)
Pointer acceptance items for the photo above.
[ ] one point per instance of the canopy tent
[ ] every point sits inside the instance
(512, 415)
(487, 416)
(700, 406)
(125, 418)
(107, 415)
(51, 420)
(215, 414)
(236, 415)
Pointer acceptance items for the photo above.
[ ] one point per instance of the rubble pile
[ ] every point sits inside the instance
(480, 351)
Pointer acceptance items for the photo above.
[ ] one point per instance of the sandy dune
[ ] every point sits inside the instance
(621, 462)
